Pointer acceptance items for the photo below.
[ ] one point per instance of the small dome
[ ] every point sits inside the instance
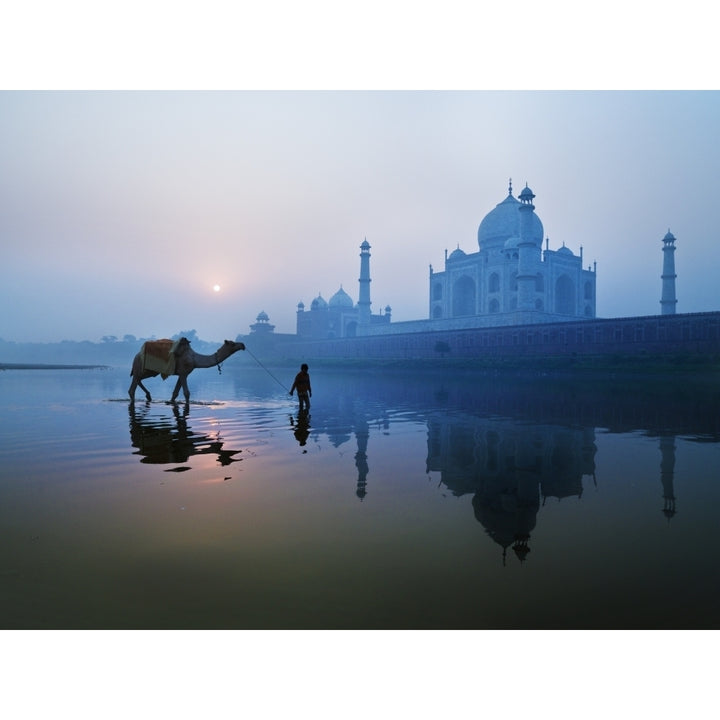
(341, 299)
(319, 303)
(527, 194)
(388, 309)
(262, 316)
(564, 250)
(457, 254)
(669, 237)
(301, 305)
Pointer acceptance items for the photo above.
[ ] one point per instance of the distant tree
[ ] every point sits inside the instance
(191, 335)
(109, 338)
(442, 347)
(129, 338)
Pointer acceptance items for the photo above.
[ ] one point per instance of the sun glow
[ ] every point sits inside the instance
(216, 288)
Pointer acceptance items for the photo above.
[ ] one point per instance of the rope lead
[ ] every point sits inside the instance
(266, 370)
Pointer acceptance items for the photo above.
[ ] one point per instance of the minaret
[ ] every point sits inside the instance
(668, 301)
(364, 295)
(526, 252)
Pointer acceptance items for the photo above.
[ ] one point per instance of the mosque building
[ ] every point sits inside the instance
(339, 317)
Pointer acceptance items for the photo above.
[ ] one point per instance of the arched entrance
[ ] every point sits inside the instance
(463, 302)
(564, 296)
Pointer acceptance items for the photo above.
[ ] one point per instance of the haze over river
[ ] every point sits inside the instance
(404, 500)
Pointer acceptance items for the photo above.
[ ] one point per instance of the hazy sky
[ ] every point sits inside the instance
(119, 211)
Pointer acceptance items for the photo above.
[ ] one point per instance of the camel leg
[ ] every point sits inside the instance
(145, 390)
(136, 373)
(134, 385)
(176, 391)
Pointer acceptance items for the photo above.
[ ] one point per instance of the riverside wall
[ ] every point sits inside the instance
(657, 335)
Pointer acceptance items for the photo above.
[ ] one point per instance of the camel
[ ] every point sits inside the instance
(185, 361)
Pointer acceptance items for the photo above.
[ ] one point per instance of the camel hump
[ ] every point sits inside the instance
(158, 348)
(159, 356)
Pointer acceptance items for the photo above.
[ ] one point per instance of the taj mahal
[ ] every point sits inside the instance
(510, 280)
(513, 296)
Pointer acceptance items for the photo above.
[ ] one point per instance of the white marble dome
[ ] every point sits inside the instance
(503, 223)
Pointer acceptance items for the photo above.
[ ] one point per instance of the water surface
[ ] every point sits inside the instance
(401, 501)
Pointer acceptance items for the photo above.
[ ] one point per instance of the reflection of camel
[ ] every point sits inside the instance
(161, 441)
(186, 360)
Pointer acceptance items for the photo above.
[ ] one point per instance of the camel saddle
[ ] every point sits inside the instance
(159, 356)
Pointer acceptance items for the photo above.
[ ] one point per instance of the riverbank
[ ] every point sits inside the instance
(50, 366)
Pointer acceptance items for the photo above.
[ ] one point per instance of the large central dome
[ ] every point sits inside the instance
(503, 222)
(341, 300)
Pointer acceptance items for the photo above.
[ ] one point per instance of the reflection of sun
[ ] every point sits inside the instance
(216, 288)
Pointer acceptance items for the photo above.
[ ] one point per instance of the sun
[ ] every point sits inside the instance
(216, 288)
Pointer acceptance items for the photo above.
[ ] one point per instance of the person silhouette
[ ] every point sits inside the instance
(302, 385)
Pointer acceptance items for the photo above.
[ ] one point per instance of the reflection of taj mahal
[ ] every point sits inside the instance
(511, 470)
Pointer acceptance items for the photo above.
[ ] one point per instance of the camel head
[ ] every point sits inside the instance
(232, 346)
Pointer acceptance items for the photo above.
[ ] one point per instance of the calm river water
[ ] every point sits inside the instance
(401, 501)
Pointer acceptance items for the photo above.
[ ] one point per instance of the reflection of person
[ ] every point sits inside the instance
(301, 430)
(302, 385)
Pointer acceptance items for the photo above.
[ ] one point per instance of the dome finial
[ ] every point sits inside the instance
(510, 186)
